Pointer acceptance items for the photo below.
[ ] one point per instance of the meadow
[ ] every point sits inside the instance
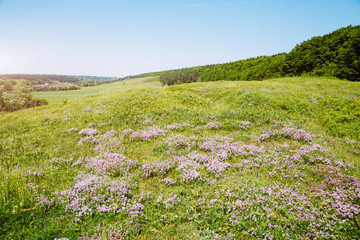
(274, 159)
(103, 89)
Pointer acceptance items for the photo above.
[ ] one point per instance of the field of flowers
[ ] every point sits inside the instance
(277, 159)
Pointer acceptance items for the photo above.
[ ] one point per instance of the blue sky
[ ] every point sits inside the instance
(124, 37)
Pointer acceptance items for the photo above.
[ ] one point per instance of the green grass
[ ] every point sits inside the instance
(328, 109)
(103, 89)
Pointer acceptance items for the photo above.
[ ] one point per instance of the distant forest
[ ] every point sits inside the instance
(336, 54)
(43, 82)
(37, 79)
(40, 78)
(15, 89)
(96, 78)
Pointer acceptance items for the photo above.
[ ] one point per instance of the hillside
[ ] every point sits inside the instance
(277, 159)
(336, 54)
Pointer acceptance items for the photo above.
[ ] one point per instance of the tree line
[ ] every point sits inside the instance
(336, 54)
(179, 76)
(40, 78)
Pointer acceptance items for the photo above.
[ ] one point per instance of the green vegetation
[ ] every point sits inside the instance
(228, 159)
(38, 82)
(276, 159)
(336, 54)
(15, 88)
(39, 78)
(179, 76)
(333, 55)
(59, 97)
(12, 99)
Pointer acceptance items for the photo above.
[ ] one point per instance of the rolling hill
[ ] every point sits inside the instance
(272, 159)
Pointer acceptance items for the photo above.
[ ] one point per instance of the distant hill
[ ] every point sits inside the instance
(15, 88)
(97, 78)
(47, 78)
(46, 82)
(39, 78)
(336, 54)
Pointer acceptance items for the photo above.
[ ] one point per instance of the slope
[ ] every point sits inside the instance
(272, 159)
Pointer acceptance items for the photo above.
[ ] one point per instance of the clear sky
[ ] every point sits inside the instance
(125, 37)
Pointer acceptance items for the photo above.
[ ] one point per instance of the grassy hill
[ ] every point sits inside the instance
(277, 159)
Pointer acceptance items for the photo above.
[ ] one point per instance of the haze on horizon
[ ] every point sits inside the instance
(120, 38)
